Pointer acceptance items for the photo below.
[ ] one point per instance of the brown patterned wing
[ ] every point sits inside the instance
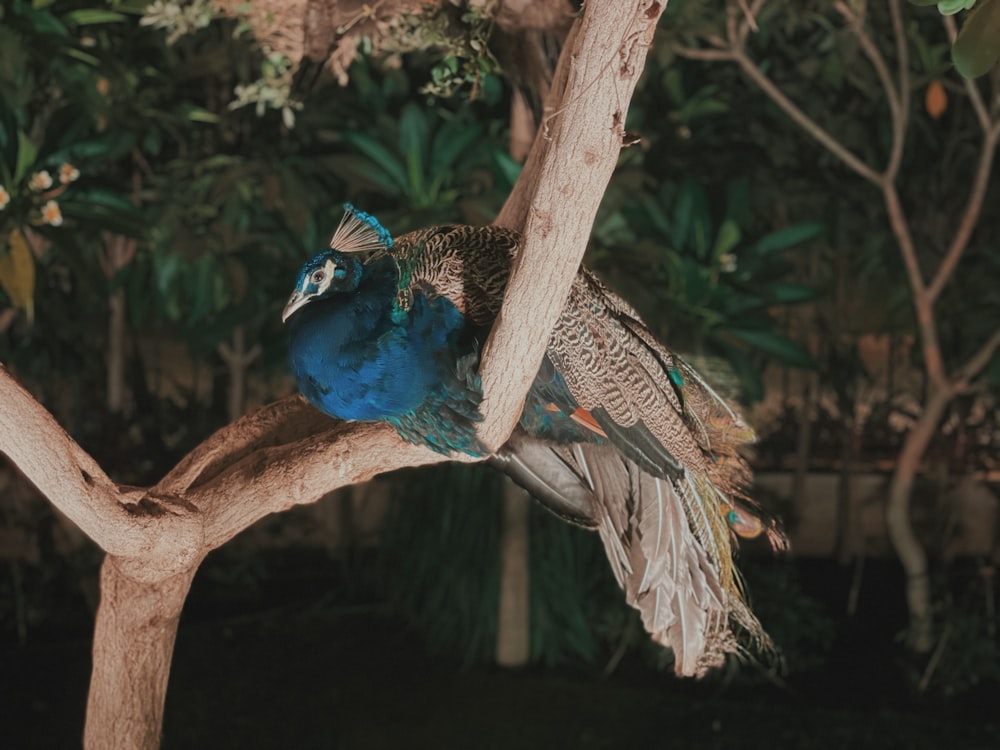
(468, 265)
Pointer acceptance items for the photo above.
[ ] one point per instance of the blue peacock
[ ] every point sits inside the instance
(617, 433)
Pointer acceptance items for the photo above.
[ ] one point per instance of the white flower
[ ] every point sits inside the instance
(68, 173)
(178, 19)
(273, 90)
(40, 181)
(51, 214)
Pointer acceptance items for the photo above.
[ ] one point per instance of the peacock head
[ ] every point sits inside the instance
(327, 274)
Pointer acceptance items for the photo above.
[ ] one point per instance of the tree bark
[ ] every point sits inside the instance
(514, 609)
(908, 548)
(133, 643)
(237, 358)
(559, 191)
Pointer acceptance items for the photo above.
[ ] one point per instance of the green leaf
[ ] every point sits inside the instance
(414, 141)
(790, 236)
(356, 170)
(727, 239)
(381, 156)
(780, 347)
(787, 293)
(414, 131)
(84, 57)
(951, 7)
(692, 223)
(978, 45)
(508, 169)
(108, 148)
(199, 114)
(26, 153)
(103, 197)
(87, 16)
(450, 143)
(43, 21)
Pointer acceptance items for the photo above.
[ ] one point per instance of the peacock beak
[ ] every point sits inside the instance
(296, 301)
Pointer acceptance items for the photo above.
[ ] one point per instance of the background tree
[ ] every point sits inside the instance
(731, 44)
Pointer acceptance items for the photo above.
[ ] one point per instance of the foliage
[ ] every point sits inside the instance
(967, 654)
(452, 606)
(977, 48)
(714, 292)
(423, 164)
(49, 137)
(801, 628)
(460, 32)
(444, 577)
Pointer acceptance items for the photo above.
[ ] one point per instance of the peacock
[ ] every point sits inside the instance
(617, 433)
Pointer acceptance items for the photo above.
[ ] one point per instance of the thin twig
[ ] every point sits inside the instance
(892, 94)
(903, 82)
(970, 85)
(970, 217)
(975, 364)
(804, 121)
(923, 305)
(697, 53)
(935, 659)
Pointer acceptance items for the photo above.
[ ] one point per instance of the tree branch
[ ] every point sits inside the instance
(66, 474)
(903, 75)
(712, 55)
(245, 471)
(893, 93)
(977, 362)
(809, 125)
(557, 195)
(970, 84)
(970, 216)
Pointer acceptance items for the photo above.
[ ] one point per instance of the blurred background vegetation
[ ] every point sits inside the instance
(162, 176)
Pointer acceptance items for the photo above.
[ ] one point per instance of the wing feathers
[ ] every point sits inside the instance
(659, 540)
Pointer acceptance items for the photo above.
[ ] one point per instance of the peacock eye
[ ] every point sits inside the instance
(318, 276)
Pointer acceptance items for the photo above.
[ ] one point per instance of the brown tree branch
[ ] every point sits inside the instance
(970, 216)
(894, 91)
(903, 76)
(923, 307)
(804, 121)
(982, 114)
(699, 53)
(977, 362)
(66, 474)
(558, 193)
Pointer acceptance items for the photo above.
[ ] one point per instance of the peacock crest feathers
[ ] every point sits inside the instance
(360, 232)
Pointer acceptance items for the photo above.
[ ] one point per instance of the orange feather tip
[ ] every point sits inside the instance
(585, 419)
(582, 417)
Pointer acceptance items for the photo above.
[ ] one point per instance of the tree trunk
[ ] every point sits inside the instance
(237, 358)
(133, 644)
(514, 612)
(116, 352)
(911, 553)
